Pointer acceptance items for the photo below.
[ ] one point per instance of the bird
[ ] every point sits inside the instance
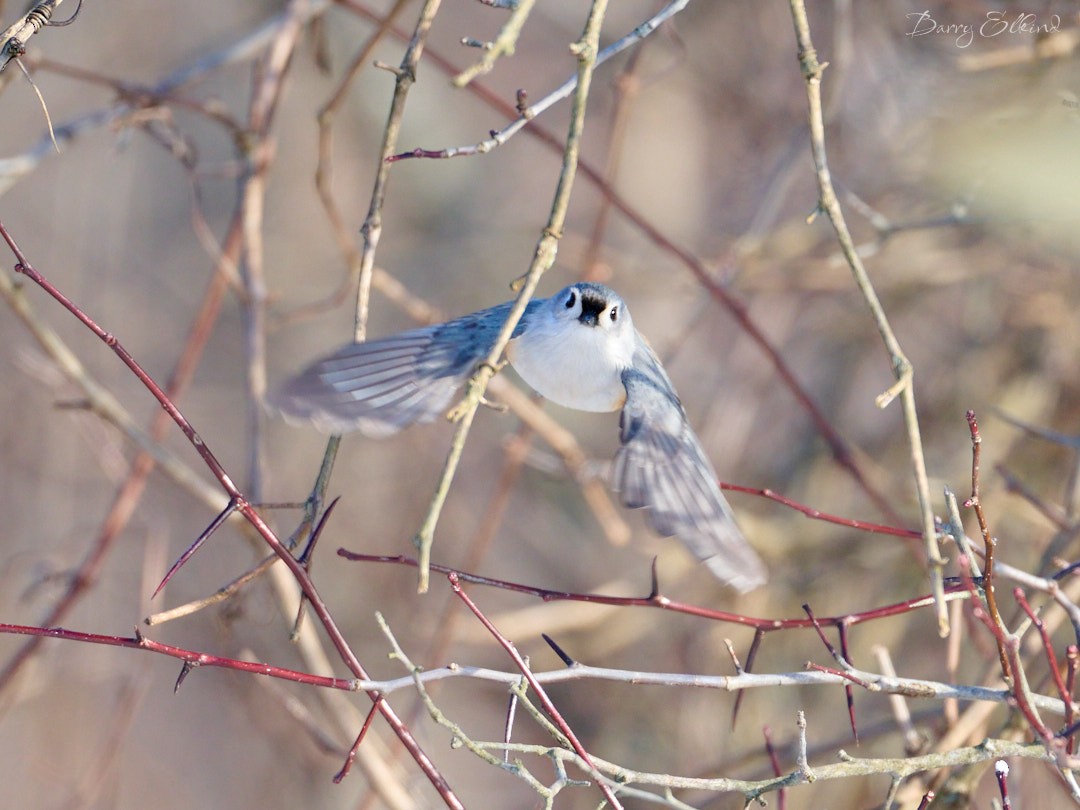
(578, 349)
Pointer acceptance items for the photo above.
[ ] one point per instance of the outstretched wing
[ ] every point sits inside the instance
(662, 467)
(381, 386)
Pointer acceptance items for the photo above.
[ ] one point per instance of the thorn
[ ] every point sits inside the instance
(566, 659)
(821, 635)
(184, 671)
(202, 538)
(304, 558)
(751, 655)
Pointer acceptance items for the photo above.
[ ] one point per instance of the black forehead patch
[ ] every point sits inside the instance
(592, 304)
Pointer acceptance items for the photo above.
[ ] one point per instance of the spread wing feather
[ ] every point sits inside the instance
(662, 467)
(381, 386)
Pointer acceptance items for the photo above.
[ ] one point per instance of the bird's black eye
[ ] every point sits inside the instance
(614, 314)
(571, 299)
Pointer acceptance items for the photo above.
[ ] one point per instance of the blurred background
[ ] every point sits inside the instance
(955, 160)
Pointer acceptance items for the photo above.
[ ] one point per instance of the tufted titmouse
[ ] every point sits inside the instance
(579, 349)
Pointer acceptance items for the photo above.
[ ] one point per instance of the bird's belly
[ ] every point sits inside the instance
(572, 376)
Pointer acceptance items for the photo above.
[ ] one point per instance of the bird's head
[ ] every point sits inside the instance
(594, 306)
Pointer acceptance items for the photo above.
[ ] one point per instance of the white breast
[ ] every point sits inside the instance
(576, 366)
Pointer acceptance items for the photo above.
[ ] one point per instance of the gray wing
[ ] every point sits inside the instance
(662, 467)
(381, 386)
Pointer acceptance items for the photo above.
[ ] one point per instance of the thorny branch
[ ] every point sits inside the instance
(245, 508)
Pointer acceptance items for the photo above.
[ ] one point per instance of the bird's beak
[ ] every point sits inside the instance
(588, 318)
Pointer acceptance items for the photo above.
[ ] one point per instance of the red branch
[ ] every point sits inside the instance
(1051, 657)
(817, 514)
(658, 600)
(545, 701)
(191, 658)
(298, 571)
(989, 542)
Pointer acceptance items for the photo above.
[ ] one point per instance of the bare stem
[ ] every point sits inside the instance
(585, 49)
(904, 387)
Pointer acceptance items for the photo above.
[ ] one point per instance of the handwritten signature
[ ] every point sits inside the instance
(995, 24)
